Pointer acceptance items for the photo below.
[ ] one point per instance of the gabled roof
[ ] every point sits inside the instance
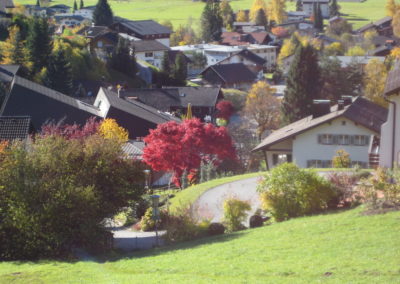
(60, 6)
(7, 72)
(361, 111)
(146, 27)
(93, 32)
(247, 54)
(14, 127)
(137, 109)
(148, 46)
(134, 149)
(6, 4)
(59, 17)
(383, 21)
(233, 73)
(375, 24)
(165, 98)
(393, 81)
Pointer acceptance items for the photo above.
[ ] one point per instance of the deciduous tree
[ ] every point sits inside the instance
(375, 75)
(396, 23)
(178, 147)
(263, 107)
(277, 11)
(227, 14)
(14, 51)
(109, 129)
(241, 16)
(225, 110)
(390, 8)
(255, 7)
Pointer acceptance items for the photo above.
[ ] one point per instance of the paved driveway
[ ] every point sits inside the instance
(210, 204)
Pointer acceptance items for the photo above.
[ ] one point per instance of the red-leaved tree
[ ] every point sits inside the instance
(71, 131)
(178, 147)
(225, 110)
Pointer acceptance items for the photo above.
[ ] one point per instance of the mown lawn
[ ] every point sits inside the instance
(178, 11)
(341, 247)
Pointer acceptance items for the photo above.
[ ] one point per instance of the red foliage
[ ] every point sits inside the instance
(280, 32)
(178, 147)
(71, 131)
(225, 110)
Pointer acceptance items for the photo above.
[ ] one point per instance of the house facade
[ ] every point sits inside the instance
(150, 51)
(312, 142)
(389, 154)
(308, 7)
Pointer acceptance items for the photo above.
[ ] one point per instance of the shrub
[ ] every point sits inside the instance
(55, 195)
(147, 223)
(235, 212)
(288, 191)
(256, 221)
(216, 229)
(341, 160)
(182, 227)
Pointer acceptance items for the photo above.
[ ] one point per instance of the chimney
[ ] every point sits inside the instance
(340, 104)
(320, 108)
(348, 100)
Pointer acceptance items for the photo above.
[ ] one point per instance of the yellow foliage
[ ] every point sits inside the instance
(390, 8)
(334, 49)
(110, 129)
(396, 22)
(3, 146)
(277, 11)
(395, 53)
(257, 5)
(375, 75)
(370, 34)
(242, 16)
(355, 51)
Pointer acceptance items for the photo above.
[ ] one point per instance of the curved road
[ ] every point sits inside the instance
(210, 204)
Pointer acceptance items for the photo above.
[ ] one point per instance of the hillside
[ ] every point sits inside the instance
(178, 11)
(342, 247)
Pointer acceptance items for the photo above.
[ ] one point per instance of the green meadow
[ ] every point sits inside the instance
(341, 247)
(178, 11)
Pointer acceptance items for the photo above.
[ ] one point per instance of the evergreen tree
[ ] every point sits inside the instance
(165, 64)
(299, 5)
(180, 70)
(75, 7)
(333, 8)
(318, 19)
(227, 14)
(14, 52)
(103, 15)
(261, 19)
(81, 4)
(211, 22)
(38, 3)
(303, 85)
(58, 75)
(39, 43)
(122, 59)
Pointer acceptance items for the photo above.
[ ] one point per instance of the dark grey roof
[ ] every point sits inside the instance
(393, 81)
(24, 87)
(93, 32)
(249, 55)
(383, 21)
(68, 16)
(361, 111)
(233, 73)
(146, 27)
(134, 149)
(366, 27)
(60, 6)
(138, 109)
(14, 127)
(165, 98)
(7, 72)
(148, 45)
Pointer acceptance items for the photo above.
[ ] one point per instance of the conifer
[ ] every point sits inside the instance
(103, 15)
(58, 75)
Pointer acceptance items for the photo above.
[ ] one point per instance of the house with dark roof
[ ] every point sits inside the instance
(145, 30)
(383, 27)
(44, 105)
(354, 125)
(203, 100)
(69, 20)
(150, 51)
(5, 8)
(252, 61)
(101, 40)
(59, 9)
(236, 38)
(7, 72)
(233, 75)
(389, 151)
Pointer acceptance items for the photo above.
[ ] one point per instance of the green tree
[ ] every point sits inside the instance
(303, 85)
(81, 4)
(226, 14)
(37, 3)
(334, 8)
(75, 7)
(261, 19)
(180, 69)
(123, 59)
(211, 22)
(103, 15)
(165, 64)
(299, 5)
(58, 75)
(341, 160)
(39, 44)
(318, 19)
(14, 52)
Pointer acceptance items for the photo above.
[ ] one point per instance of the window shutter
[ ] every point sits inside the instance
(351, 140)
(275, 159)
(319, 138)
(335, 139)
(366, 140)
(289, 158)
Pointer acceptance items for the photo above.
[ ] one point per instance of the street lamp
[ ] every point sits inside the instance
(155, 199)
(147, 179)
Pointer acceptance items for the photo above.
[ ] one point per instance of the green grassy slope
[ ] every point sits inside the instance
(337, 248)
(178, 11)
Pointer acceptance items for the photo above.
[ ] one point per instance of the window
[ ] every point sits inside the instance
(99, 43)
(343, 122)
(343, 139)
(319, 163)
(98, 104)
(148, 54)
(360, 140)
(326, 139)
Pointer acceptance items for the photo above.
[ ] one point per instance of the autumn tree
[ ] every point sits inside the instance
(299, 5)
(227, 14)
(211, 22)
(396, 23)
(391, 8)
(241, 16)
(181, 147)
(263, 107)
(14, 51)
(289, 47)
(277, 11)
(102, 15)
(256, 6)
(375, 75)
(109, 129)
(303, 85)
(225, 110)
(338, 28)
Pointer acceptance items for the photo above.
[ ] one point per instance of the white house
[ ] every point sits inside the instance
(308, 7)
(389, 154)
(86, 12)
(69, 20)
(351, 125)
(151, 51)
